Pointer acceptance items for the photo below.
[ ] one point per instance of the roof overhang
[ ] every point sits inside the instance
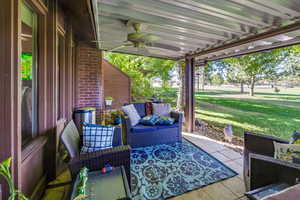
(204, 29)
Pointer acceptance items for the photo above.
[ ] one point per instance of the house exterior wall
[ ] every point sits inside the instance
(89, 79)
(40, 161)
(116, 84)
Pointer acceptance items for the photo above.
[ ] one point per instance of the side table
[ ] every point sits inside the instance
(109, 186)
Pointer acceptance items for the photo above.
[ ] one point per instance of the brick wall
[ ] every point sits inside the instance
(116, 84)
(89, 81)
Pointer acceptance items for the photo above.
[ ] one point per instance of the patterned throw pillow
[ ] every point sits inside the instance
(97, 137)
(166, 121)
(161, 109)
(132, 113)
(149, 120)
(286, 152)
(295, 138)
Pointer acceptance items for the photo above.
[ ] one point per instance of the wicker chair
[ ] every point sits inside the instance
(260, 166)
(119, 155)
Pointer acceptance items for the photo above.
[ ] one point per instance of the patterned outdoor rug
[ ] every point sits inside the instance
(163, 171)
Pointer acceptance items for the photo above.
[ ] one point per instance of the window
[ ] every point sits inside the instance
(28, 74)
(61, 67)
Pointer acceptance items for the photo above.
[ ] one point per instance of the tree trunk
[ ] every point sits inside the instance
(252, 84)
(242, 87)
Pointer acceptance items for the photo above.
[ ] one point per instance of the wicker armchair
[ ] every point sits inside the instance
(261, 168)
(119, 155)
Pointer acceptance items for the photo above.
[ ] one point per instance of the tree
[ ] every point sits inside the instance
(235, 73)
(217, 79)
(253, 67)
(292, 65)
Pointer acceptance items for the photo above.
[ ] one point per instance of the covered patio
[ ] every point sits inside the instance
(196, 31)
(230, 189)
(65, 41)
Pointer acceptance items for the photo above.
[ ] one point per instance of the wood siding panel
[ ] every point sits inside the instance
(41, 157)
(116, 84)
(10, 131)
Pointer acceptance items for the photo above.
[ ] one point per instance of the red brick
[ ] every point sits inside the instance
(89, 78)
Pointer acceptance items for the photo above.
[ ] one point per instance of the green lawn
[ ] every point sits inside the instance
(266, 113)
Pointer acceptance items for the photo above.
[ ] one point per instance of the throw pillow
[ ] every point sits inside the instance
(132, 113)
(149, 108)
(295, 138)
(161, 109)
(165, 121)
(286, 152)
(96, 137)
(149, 120)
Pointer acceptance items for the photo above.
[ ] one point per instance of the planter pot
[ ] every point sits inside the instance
(118, 121)
(108, 102)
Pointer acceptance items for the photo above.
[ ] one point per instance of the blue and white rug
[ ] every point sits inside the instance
(163, 171)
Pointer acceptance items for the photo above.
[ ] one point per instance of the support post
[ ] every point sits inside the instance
(189, 110)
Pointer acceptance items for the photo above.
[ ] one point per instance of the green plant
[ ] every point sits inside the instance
(117, 113)
(109, 98)
(110, 118)
(5, 172)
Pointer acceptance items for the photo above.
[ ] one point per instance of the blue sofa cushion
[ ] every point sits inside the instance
(149, 120)
(139, 128)
(176, 124)
(140, 108)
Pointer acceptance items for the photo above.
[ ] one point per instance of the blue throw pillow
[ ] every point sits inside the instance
(96, 137)
(149, 120)
(166, 121)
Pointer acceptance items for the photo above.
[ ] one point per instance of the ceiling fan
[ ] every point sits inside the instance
(142, 40)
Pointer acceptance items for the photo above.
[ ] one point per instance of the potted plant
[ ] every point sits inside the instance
(108, 101)
(5, 172)
(116, 116)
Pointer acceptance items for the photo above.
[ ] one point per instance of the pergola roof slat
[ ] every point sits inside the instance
(206, 29)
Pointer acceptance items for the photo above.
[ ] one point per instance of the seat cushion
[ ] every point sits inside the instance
(97, 137)
(176, 124)
(71, 139)
(286, 152)
(139, 128)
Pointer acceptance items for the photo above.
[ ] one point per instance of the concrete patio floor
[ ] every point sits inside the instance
(230, 189)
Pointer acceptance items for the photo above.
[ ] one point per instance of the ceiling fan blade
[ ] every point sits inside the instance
(164, 46)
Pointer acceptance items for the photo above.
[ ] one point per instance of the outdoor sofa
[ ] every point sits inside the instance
(141, 135)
